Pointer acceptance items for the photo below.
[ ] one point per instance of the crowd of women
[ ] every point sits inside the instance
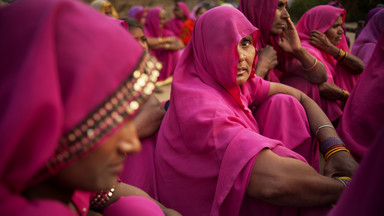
(256, 104)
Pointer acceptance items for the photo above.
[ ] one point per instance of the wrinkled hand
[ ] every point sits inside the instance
(289, 39)
(340, 164)
(319, 40)
(267, 59)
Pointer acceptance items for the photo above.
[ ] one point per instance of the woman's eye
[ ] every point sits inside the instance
(246, 43)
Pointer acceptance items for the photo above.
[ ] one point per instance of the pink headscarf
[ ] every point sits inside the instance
(152, 28)
(322, 18)
(209, 138)
(175, 23)
(139, 15)
(363, 114)
(62, 92)
(261, 14)
(366, 42)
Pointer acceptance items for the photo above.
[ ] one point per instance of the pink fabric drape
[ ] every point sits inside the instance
(209, 139)
(366, 42)
(363, 114)
(175, 23)
(168, 58)
(56, 73)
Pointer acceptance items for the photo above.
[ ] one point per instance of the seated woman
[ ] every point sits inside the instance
(181, 14)
(283, 58)
(211, 158)
(163, 44)
(321, 33)
(363, 114)
(366, 42)
(279, 36)
(105, 7)
(67, 107)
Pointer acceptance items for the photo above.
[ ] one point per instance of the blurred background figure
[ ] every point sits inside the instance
(105, 7)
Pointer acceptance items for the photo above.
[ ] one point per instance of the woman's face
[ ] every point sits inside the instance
(108, 11)
(247, 54)
(143, 18)
(179, 13)
(200, 11)
(334, 34)
(162, 18)
(139, 35)
(100, 169)
(280, 22)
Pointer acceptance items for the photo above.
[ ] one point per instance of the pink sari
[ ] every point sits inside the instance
(55, 87)
(366, 42)
(209, 140)
(363, 114)
(175, 23)
(168, 58)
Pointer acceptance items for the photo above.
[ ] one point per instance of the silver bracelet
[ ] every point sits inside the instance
(322, 126)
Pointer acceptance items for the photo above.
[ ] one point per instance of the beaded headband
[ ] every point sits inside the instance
(122, 103)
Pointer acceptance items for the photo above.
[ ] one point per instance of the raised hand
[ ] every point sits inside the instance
(267, 61)
(289, 39)
(320, 41)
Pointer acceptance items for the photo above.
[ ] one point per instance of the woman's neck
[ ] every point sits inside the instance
(51, 190)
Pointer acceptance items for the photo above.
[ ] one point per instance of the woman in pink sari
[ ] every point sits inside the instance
(279, 37)
(181, 13)
(321, 33)
(363, 114)
(163, 44)
(295, 66)
(366, 42)
(211, 157)
(67, 106)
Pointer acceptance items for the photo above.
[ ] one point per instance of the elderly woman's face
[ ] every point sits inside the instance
(334, 34)
(280, 22)
(100, 169)
(247, 54)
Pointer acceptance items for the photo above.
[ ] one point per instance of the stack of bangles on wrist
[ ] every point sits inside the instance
(341, 56)
(344, 180)
(331, 146)
(100, 199)
(313, 67)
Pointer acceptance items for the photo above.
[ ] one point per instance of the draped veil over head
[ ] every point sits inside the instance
(61, 95)
(218, 156)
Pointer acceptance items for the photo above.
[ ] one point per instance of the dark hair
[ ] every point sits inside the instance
(132, 23)
(202, 5)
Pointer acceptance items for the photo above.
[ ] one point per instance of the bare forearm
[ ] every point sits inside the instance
(352, 64)
(290, 182)
(314, 70)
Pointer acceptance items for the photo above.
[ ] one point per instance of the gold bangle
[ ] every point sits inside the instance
(166, 46)
(313, 66)
(341, 55)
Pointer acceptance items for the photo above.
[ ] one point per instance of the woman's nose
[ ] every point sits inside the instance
(131, 146)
